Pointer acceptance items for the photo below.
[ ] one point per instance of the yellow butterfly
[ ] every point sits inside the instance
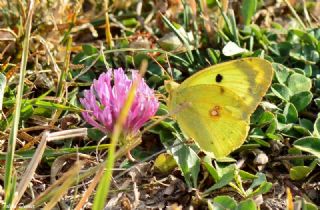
(213, 106)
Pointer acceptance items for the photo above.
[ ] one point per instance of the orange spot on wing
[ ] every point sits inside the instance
(215, 111)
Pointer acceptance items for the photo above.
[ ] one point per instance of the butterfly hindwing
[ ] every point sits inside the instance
(213, 117)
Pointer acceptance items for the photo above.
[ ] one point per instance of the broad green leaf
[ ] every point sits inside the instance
(247, 205)
(248, 8)
(301, 100)
(305, 205)
(212, 171)
(225, 180)
(282, 73)
(316, 127)
(188, 161)
(246, 175)
(298, 83)
(304, 36)
(308, 124)
(302, 130)
(259, 186)
(266, 118)
(262, 189)
(89, 49)
(281, 91)
(299, 172)
(130, 22)
(309, 144)
(291, 113)
(317, 102)
(223, 202)
(3, 82)
(272, 127)
(256, 182)
(308, 70)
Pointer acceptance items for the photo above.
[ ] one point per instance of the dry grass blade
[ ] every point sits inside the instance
(79, 132)
(58, 189)
(107, 26)
(28, 175)
(91, 187)
(294, 13)
(100, 171)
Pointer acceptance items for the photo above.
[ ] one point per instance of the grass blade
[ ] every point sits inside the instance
(14, 130)
(103, 188)
(28, 175)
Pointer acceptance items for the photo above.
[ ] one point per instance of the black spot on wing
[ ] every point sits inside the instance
(219, 78)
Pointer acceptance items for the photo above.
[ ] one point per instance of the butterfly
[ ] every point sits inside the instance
(213, 106)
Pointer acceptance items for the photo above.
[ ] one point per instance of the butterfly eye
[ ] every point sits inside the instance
(219, 78)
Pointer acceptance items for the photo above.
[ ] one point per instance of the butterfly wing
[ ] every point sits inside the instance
(214, 117)
(249, 78)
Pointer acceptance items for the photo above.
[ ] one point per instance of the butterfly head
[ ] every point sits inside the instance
(170, 86)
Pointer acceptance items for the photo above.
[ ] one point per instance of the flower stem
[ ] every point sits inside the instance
(104, 185)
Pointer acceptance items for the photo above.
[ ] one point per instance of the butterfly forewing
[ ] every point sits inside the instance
(249, 78)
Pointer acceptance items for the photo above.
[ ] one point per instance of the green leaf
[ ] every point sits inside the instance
(266, 118)
(316, 127)
(272, 127)
(298, 83)
(291, 113)
(302, 130)
(281, 91)
(247, 205)
(317, 102)
(130, 22)
(225, 180)
(262, 189)
(305, 205)
(246, 175)
(299, 172)
(309, 144)
(308, 70)
(223, 202)
(247, 10)
(188, 161)
(308, 124)
(256, 182)
(3, 82)
(212, 171)
(261, 185)
(301, 100)
(282, 73)
(89, 49)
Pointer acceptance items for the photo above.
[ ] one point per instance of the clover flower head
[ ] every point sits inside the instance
(107, 95)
